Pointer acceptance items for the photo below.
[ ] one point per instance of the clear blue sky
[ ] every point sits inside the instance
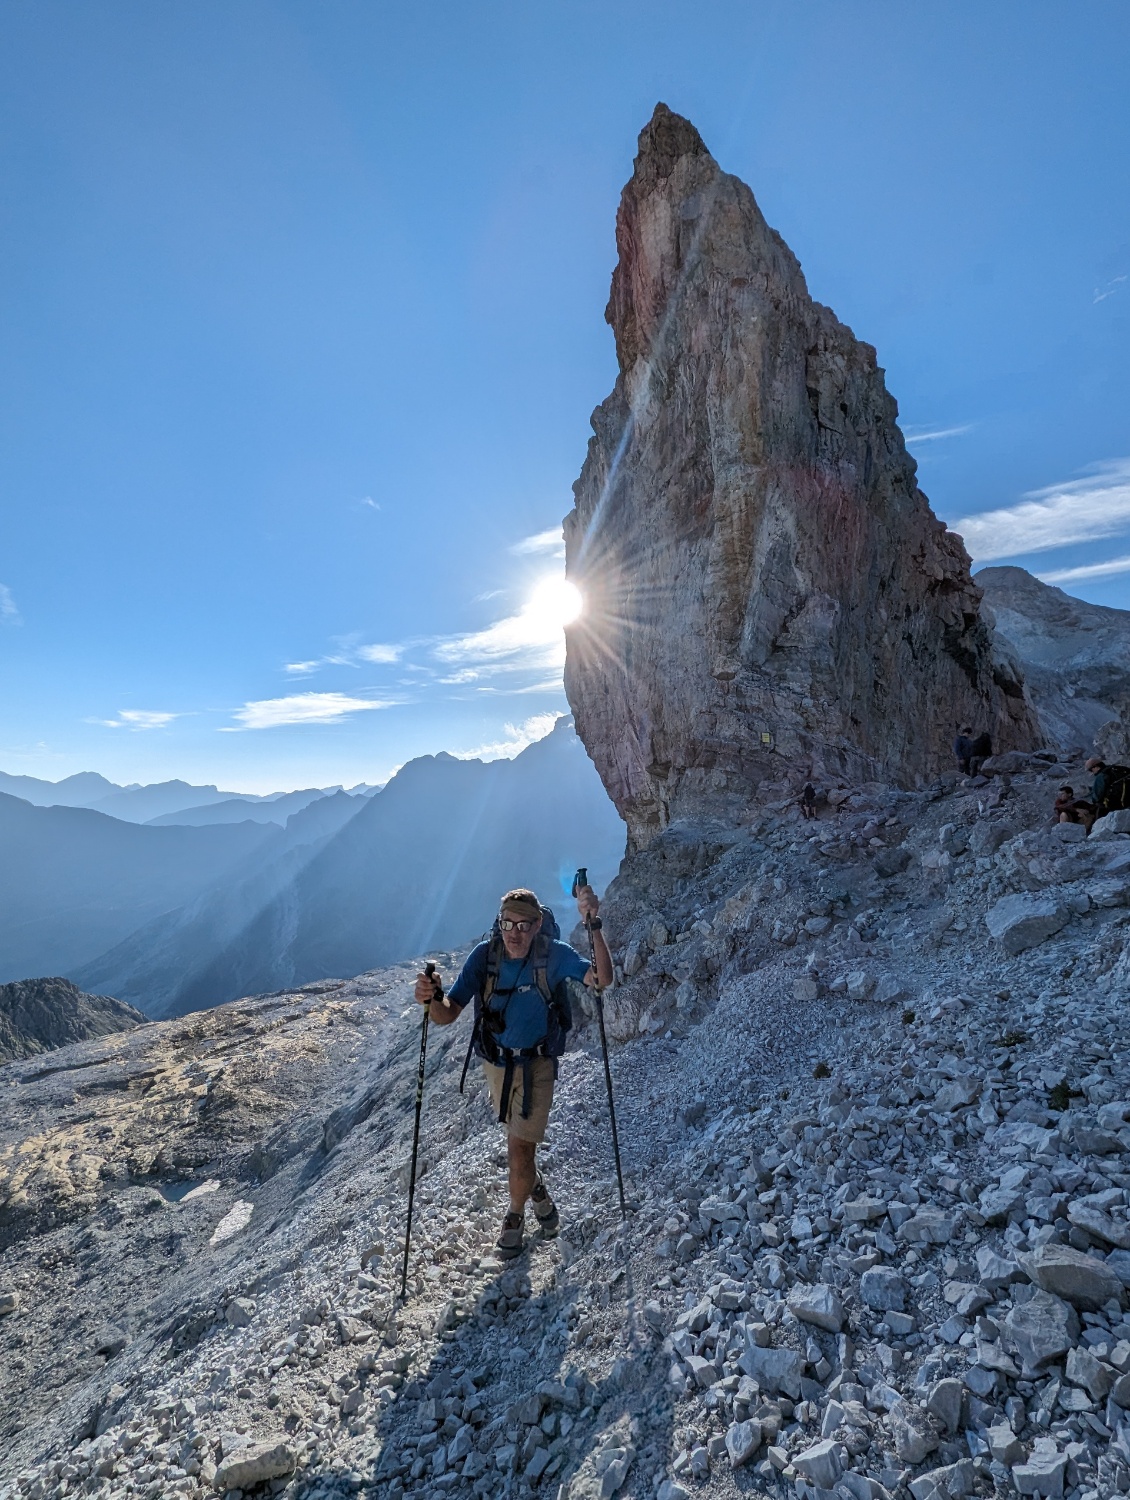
(301, 323)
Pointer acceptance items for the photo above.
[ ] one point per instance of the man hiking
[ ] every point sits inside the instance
(517, 981)
(1110, 789)
(963, 749)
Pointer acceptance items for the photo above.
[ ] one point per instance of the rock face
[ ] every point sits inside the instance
(38, 1015)
(1074, 658)
(766, 587)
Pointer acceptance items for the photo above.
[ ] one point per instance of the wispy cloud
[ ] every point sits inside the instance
(525, 650)
(1115, 284)
(914, 435)
(518, 737)
(1082, 510)
(380, 654)
(550, 543)
(369, 503)
(533, 638)
(1088, 570)
(351, 655)
(550, 685)
(137, 718)
(9, 614)
(302, 708)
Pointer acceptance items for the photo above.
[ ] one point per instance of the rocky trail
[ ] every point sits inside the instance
(878, 1245)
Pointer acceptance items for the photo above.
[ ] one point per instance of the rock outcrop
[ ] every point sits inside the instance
(767, 589)
(1074, 658)
(38, 1015)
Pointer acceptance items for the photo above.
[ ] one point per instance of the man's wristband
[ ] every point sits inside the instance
(594, 924)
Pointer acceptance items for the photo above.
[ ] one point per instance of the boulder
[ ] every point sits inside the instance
(253, 1463)
(1083, 1280)
(1085, 1370)
(742, 1441)
(944, 1402)
(883, 1289)
(1044, 1472)
(863, 1210)
(1004, 1445)
(9, 1303)
(1112, 825)
(929, 1226)
(913, 1435)
(774, 1369)
(240, 1312)
(859, 984)
(819, 1305)
(1099, 1226)
(1041, 1330)
(996, 1271)
(1023, 920)
(820, 1464)
(946, 1483)
(956, 1094)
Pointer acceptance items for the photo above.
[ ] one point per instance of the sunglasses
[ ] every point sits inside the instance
(507, 924)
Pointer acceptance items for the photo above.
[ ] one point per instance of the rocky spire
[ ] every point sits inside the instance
(768, 590)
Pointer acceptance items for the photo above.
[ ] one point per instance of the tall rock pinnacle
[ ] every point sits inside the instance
(767, 590)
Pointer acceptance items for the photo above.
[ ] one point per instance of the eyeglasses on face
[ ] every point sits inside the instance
(507, 924)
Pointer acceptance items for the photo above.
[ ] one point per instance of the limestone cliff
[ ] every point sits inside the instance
(768, 591)
(1074, 657)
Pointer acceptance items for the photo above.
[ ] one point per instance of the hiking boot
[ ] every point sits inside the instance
(545, 1210)
(511, 1241)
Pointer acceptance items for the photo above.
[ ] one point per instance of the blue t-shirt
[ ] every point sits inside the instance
(516, 992)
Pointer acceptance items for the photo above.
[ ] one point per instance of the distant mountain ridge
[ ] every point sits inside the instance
(419, 866)
(239, 809)
(73, 881)
(163, 801)
(38, 1015)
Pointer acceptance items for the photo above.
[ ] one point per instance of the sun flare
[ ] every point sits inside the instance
(554, 604)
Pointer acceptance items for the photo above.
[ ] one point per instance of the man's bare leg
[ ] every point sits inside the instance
(522, 1157)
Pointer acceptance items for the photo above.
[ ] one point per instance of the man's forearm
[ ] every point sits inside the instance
(443, 1012)
(604, 974)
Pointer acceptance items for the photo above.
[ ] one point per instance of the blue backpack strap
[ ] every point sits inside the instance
(494, 963)
(541, 963)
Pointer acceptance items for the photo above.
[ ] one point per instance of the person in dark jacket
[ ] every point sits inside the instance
(1110, 789)
(981, 750)
(963, 750)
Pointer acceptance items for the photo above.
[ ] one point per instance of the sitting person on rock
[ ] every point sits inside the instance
(517, 980)
(1071, 809)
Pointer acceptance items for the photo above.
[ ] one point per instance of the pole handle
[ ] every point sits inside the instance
(580, 879)
(430, 973)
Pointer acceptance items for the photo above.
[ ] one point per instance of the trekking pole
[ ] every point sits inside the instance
(581, 878)
(429, 970)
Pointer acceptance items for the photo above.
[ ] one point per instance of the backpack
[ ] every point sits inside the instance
(1114, 794)
(559, 1016)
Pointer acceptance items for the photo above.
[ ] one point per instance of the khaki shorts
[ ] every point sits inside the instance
(541, 1092)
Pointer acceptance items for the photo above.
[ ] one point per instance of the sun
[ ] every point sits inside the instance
(554, 604)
